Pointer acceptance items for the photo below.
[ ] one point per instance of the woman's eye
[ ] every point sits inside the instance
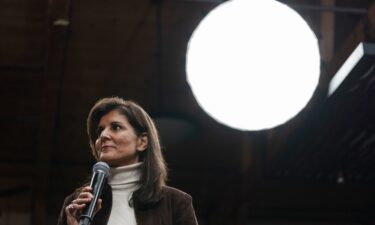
(116, 127)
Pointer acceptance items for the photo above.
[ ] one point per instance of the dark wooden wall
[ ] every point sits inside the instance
(58, 57)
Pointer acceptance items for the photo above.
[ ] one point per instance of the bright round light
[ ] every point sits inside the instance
(253, 64)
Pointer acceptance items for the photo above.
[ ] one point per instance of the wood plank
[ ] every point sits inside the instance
(327, 29)
(57, 42)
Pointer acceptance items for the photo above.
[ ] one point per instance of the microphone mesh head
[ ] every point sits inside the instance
(101, 166)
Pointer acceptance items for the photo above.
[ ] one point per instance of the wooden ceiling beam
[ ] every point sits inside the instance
(327, 29)
(58, 12)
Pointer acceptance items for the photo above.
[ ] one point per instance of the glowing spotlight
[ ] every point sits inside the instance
(253, 64)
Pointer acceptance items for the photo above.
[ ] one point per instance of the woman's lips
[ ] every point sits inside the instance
(106, 147)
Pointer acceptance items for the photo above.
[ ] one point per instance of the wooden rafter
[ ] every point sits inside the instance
(58, 23)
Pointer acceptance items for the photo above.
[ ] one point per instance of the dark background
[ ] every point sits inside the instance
(58, 57)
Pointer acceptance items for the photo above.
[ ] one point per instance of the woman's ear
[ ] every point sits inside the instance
(142, 142)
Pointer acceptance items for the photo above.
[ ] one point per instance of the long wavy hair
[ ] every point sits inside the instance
(154, 169)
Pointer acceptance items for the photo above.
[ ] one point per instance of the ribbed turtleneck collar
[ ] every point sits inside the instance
(124, 175)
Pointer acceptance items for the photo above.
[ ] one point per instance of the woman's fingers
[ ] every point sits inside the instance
(74, 209)
(86, 189)
(98, 205)
(72, 214)
(85, 196)
(78, 206)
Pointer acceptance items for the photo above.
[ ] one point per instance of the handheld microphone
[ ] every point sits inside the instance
(100, 173)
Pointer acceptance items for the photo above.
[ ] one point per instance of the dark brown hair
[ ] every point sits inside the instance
(154, 170)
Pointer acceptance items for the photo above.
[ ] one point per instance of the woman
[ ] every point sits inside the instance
(123, 135)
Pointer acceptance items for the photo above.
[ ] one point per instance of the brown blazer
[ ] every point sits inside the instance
(175, 208)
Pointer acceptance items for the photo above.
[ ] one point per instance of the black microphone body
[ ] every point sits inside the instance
(99, 178)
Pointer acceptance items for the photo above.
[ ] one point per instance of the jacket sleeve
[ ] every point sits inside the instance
(184, 213)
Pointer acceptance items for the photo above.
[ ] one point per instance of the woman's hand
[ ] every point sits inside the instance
(74, 210)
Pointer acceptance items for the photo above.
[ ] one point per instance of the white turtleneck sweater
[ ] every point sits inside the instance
(124, 181)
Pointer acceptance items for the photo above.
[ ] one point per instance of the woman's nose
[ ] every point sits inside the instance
(104, 135)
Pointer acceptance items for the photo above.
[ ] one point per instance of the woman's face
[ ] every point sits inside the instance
(117, 143)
